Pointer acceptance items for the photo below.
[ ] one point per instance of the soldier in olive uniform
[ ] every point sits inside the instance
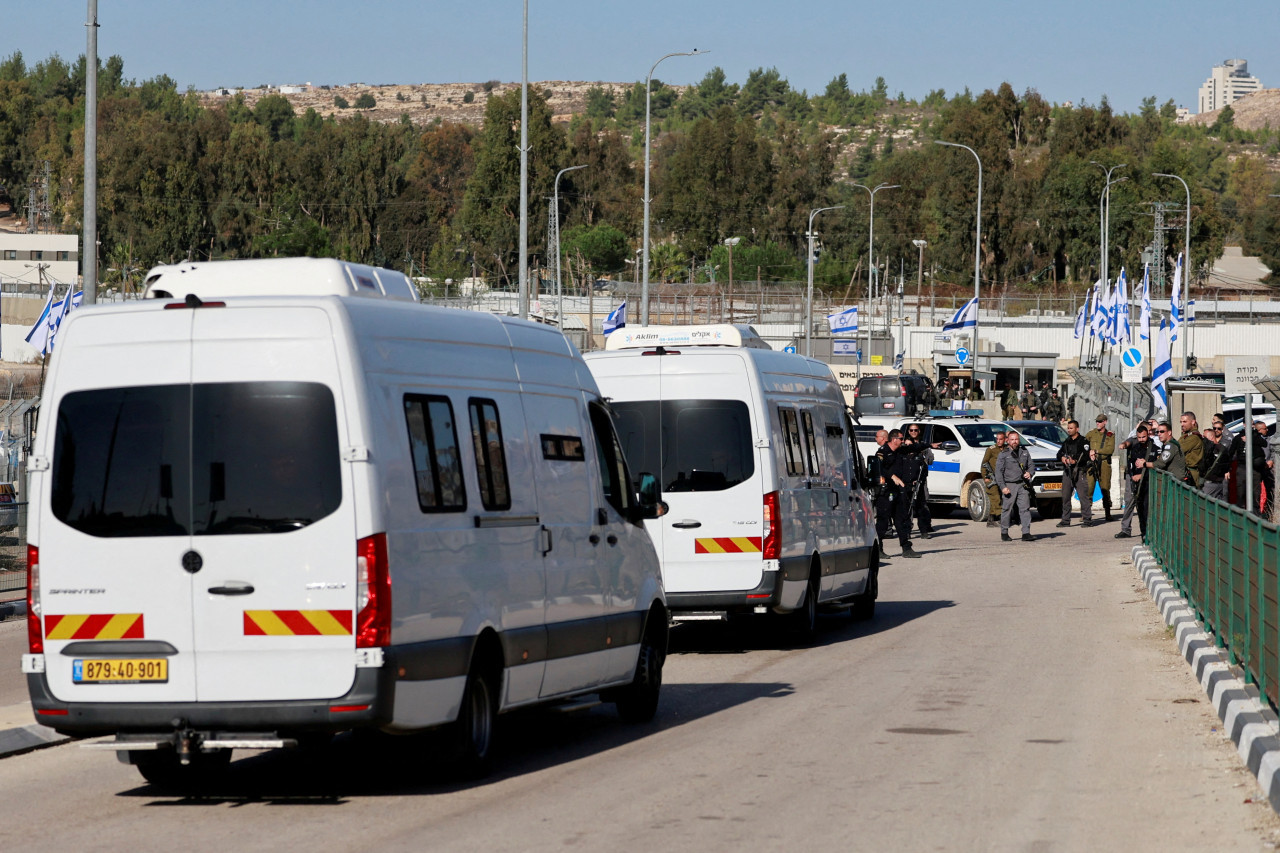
(1170, 458)
(1030, 403)
(1053, 410)
(988, 469)
(1102, 446)
(1009, 403)
(975, 393)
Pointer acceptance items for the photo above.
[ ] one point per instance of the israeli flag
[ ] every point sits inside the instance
(1176, 308)
(38, 337)
(844, 321)
(1079, 330)
(1144, 320)
(57, 314)
(839, 347)
(965, 318)
(1164, 366)
(617, 319)
(1123, 333)
(1098, 324)
(897, 360)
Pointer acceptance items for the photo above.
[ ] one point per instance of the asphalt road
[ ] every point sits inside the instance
(1020, 696)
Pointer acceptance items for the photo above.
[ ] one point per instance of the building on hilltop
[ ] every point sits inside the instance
(1227, 83)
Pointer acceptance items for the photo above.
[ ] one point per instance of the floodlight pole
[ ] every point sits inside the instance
(555, 204)
(977, 251)
(1186, 263)
(808, 311)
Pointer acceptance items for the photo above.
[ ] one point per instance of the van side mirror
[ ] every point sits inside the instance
(649, 502)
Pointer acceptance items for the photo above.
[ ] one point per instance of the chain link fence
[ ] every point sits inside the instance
(13, 551)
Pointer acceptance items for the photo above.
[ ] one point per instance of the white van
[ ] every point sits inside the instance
(260, 518)
(755, 453)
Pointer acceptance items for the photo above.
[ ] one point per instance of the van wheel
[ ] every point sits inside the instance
(864, 604)
(638, 701)
(163, 770)
(804, 621)
(977, 501)
(477, 724)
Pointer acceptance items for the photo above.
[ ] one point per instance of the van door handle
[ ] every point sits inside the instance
(687, 524)
(594, 539)
(232, 588)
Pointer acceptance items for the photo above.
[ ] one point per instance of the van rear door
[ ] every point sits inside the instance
(273, 516)
(113, 524)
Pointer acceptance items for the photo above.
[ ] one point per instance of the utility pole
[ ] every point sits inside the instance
(89, 242)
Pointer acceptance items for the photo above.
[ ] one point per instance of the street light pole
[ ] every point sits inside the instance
(977, 247)
(730, 242)
(920, 244)
(1186, 262)
(524, 171)
(644, 244)
(89, 242)
(871, 266)
(808, 311)
(1104, 221)
(555, 203)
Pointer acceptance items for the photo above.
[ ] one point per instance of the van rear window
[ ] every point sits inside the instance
(207, 459)
(691, 445)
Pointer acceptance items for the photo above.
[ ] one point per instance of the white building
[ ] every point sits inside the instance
(1227, 83)
(22, 255)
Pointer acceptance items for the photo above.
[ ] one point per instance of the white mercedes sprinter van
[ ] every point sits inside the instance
(325, 507)
(756, 456)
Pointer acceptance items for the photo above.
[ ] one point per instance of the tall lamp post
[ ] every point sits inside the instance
(919, 244)
(808, 309)
(1104, 221)
(871, 265)
(977, 246)
(524, 172)
(729, 243)
(1186, 261)
(555, 204)
(644, 245)
(89, 242)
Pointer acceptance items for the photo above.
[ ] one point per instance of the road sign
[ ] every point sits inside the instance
(962, 356)
(789, 349)
(1132, 357)
(1243, 370)
(1130, 375)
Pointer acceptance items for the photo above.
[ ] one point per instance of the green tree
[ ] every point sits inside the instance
(600, 104)
(602, 246)
(340, 102)
(366, 101)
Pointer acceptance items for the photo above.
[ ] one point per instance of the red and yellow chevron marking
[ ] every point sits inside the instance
(728, 545)
(293, 623)
(94, 626)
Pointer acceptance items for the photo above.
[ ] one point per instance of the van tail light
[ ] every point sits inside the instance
(772, 527)
(373, 593)
(35, 629)
(904, 390)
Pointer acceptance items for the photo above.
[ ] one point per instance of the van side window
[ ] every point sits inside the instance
(433, 441)
(791, 439)
(811, 443)
(614, 477)
(562, 448)
(491, 455)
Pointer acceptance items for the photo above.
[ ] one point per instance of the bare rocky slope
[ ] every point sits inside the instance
(1252, 112)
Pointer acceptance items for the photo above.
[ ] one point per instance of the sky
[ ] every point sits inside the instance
(1079, 51)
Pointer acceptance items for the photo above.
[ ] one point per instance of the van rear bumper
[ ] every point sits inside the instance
(369, 702)
(767, 594)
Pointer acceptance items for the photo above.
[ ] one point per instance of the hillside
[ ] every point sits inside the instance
(1258, 111)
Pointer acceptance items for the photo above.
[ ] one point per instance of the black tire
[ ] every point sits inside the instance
(475, 730)
(864, 604)
(163, 770)
(1049, 509)
(978, 504)
(804, 620)
(638, 701)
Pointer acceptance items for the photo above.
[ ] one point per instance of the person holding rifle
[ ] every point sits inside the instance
(1170, 457)
(989, 478)
(1102, 446)
(1013, 476)
(1074, 456)
(1141, 452)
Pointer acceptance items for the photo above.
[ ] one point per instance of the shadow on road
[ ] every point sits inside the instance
(372, 764)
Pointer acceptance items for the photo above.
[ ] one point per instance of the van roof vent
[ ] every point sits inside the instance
(277, 277)
(723, 335)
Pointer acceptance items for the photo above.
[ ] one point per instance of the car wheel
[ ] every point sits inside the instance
(864, 604)
(978, 508)
(163, 770)
(804, 621)
(477, 723)
(638, 701)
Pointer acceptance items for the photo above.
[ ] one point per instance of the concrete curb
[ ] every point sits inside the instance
(1252, 725)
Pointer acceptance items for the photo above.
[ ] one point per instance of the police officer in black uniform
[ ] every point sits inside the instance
(897, 473)
(1073, 453)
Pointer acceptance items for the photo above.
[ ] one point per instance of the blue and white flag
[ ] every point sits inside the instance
(844, 321)
(1098, 321)
(616, 320)
(1144, 320)
(844, 347)
(1123, 333)
(57, 314)
(1080, 319)
(965, 318)
(897, 360)
(1163, 366)
(38, 337)
(1176, 310)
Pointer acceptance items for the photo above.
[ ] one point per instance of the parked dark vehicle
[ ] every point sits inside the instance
(884, 396)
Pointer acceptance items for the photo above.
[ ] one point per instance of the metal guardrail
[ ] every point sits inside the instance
(1225, 562)
(13, 550)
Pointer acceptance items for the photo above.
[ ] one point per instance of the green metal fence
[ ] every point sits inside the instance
(1224, 561)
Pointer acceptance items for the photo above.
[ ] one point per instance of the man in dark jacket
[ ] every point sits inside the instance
(1013, 475)
(1074, 456)
(897, 471)
(1135, 470)
(1215, 485)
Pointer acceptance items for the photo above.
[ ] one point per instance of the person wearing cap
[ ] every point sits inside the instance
(1053, 410)
(1009, 402)
(1042, 397)
(1029, 403)
(994, 505)
(1102, 446)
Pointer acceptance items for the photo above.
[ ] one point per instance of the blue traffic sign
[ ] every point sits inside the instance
(962, 356)
(1132, 357)
(789, 349)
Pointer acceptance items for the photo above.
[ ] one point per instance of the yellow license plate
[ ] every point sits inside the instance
(1053, 487)
(119, 670)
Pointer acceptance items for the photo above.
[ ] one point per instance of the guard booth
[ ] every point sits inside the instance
(995, 368)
